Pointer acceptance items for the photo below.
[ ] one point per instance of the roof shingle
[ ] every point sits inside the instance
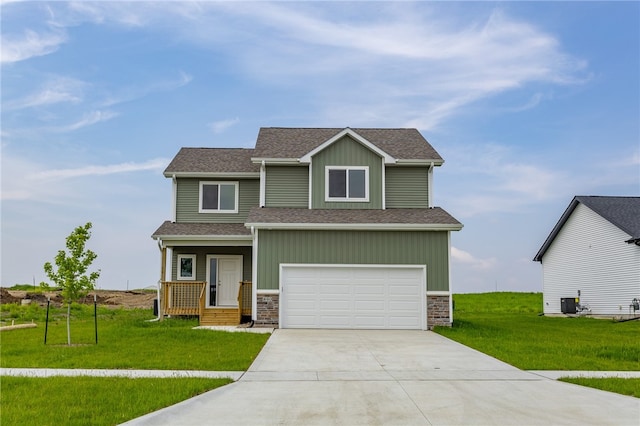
(169, 228)
(212, 160)
(433, 216)
(280, 142)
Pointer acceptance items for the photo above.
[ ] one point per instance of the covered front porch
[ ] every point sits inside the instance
(206, 271)
(180, 298)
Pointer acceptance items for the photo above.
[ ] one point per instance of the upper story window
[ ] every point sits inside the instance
(218, 197)
(347, 183)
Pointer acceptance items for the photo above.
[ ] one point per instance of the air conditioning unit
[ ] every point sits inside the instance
(568, 305)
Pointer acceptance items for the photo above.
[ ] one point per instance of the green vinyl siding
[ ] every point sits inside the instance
(287, 186)
(429, 248)
(187, 201)
(346, 152)
(201, 259)
(407, 187)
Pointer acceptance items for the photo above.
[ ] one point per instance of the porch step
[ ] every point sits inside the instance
(220, 316)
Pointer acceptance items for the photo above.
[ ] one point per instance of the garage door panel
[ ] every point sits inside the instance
(346, 296)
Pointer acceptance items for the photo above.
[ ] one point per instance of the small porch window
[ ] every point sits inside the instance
(347, 184)
(186, 267)
(218, 197)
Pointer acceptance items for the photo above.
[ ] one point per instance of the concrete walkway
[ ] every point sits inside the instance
(318, 377)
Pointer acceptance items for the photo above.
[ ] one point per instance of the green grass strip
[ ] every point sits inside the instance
(92, 400)
(629, 387)
(507, 326)
(127, 340)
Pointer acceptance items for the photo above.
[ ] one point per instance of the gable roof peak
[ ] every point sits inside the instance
(296, 142)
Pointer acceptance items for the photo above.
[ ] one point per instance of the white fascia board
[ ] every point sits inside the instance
(409, 162)
(205, 240)
(275, 161)
(214, 175)
(388, 159)
(358, 226)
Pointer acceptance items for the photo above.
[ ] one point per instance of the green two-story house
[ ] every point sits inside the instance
(313, 228)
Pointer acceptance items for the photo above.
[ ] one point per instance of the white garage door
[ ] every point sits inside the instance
(352, 296)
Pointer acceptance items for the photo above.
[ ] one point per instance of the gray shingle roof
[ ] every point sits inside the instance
(623, 212)
(212, 160)
(280, 142)
(169, 228)
(273, 215)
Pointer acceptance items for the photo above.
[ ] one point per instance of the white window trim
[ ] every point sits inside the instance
(202, 183)
(346, 199)
(193, 269)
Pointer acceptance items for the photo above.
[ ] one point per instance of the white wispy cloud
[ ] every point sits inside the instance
(98, 170)
(57, 90)
(222, 125)
(409, 64)
(26, 180)
(88, 119)
(130, 93)
(30, 44)
(467, 258)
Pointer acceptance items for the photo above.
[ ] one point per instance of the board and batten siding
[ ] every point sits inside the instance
(287, 186)
(346, 152)
(590, 254)
(201, 259)
(407, 187)
(188, 191)
(428, 248)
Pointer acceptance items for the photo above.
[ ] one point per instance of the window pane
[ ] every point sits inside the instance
(357, 184)
(337, 183)
(186, 267)
(227, 197)
(210, 197)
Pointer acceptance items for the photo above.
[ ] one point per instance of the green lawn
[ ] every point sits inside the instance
(91, 400)
(629, 387)
(508, 326)
(127, 340)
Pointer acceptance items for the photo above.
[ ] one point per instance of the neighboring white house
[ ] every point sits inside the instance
(593, 253)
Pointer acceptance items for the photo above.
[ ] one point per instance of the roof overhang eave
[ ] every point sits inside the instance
(275, 161)
(358, 226)
(420, 162)
(212, 174)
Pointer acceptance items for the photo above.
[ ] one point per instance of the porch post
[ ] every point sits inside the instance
(163, 278)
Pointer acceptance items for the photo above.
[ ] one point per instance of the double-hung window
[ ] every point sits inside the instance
(347, 183)
(218, 197)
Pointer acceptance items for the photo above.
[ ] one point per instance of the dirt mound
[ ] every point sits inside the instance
(114, 298)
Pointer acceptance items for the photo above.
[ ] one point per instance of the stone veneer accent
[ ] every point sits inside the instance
(267, 312)
(438, 311)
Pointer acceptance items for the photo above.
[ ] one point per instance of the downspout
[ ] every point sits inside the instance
(159, 285)
(430, 186)
(174, 198)
(263, 184)
(254, 275)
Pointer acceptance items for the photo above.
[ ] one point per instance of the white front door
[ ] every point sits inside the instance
(224, 273)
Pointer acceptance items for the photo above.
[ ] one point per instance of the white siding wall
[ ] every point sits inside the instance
(589, 254)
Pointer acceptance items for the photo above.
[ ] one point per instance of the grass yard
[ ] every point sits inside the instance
(508, 326)
(92, 400)
(629, 387)
(126, 340)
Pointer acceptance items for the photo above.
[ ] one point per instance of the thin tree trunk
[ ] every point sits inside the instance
(69, 324)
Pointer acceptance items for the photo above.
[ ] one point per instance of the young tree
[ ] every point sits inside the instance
(71, 274)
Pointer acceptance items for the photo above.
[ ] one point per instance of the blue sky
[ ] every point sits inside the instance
(529, 104)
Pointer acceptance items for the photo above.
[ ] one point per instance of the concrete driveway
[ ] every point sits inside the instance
(319, 377)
